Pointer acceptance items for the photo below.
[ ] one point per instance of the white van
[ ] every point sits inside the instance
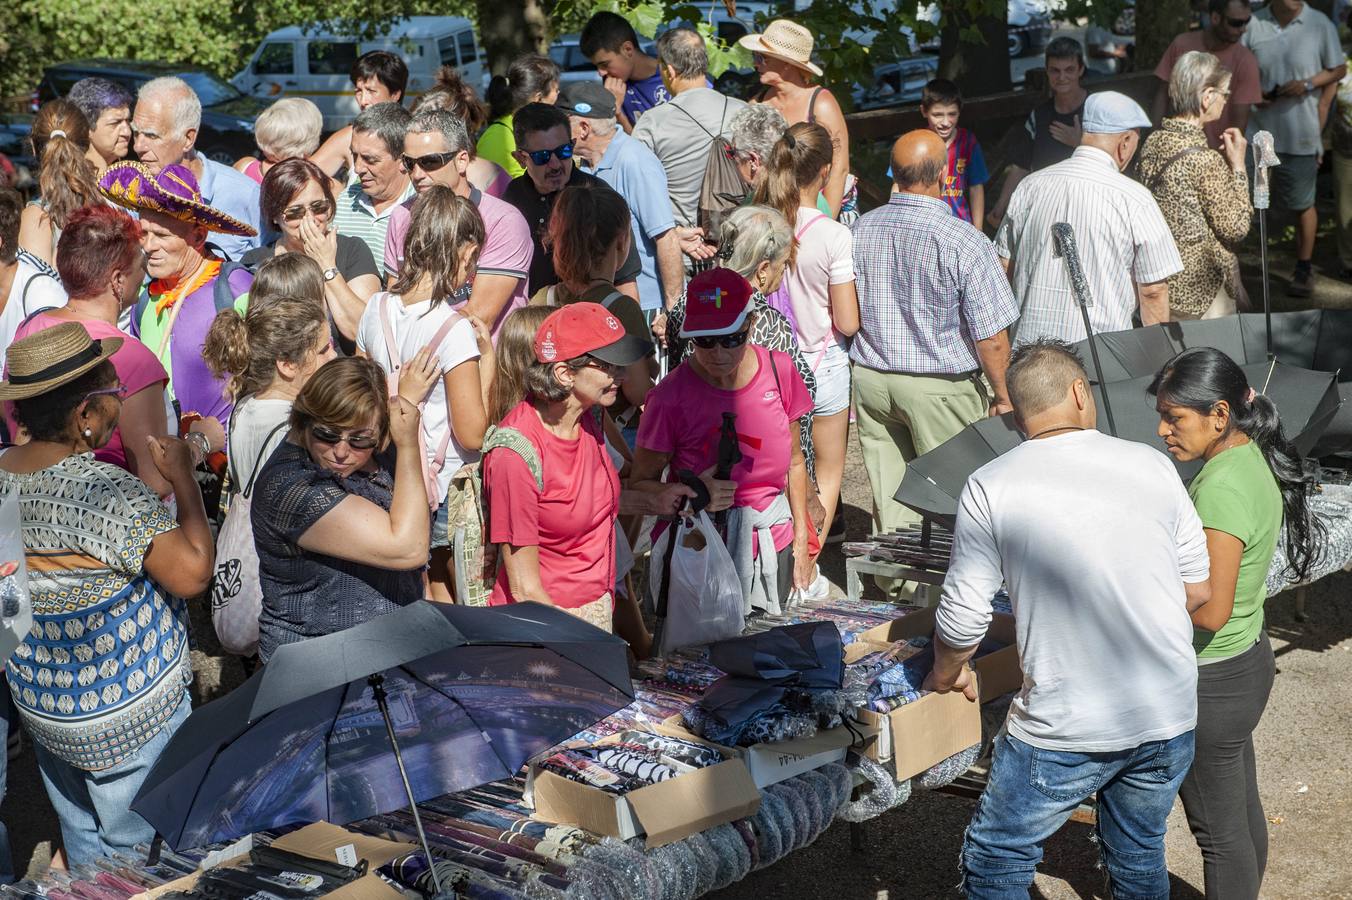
(316, 63)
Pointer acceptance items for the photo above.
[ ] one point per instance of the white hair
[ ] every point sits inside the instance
(751, 235)
(185, 109)
(757, 128)
(290, 127)
(1194, 72)
(600, 127)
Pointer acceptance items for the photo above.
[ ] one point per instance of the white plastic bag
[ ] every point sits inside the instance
(236, 596)
(704, 602)
(16, 609)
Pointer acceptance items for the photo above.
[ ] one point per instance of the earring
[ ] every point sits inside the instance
(88, 433)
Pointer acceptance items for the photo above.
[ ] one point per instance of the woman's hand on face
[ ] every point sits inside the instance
(1234, 148)
(404, 424)
(171, 456)
(720, 492)
(320, 245)
(417, 376)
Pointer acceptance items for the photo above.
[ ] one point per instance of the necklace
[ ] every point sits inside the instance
(1032, 437)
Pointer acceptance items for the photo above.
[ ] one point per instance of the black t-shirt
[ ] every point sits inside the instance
(1038, 149)
(536, 208)
(354, 259)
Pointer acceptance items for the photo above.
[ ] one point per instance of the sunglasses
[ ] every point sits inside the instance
(120, 392)
(1237, 23)
(757, 58)
(726, 341)
(610, 369)
(319, 208)
(541, 157)
(429, 163)
(332, 437)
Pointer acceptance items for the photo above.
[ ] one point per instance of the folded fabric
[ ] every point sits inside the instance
(902, 681)
(579, 767)
(638, 766)
(674, 751)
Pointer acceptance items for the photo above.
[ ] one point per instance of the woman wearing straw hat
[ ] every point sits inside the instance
(100, 680)
(783, 58)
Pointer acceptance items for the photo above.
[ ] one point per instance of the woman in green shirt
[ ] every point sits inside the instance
(1250, 482)
(529, 79)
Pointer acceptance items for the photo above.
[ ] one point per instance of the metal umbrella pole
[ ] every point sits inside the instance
(377, 682)
(1264, 158)
(1064, 237)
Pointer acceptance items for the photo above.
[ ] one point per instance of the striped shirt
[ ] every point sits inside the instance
(357, 217)
(1122, 238)
(929, 286)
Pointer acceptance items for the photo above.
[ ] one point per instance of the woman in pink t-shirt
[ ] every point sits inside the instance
(682, 424)
(820, 284)
(102, 267)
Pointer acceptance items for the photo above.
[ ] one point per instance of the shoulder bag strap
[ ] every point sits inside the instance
(262, 452)
(508, 438)
(1155, 182)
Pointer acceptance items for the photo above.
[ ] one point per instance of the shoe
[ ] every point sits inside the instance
(836, 534)
(1302, 283)
(820, 588)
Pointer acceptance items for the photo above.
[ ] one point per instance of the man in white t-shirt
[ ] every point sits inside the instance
(27, 283)
(1104, 559)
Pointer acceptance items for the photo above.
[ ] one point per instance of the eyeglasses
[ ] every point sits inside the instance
(120, 392)
(611, 369)
(541, 157)
(726, 341)
(326, 435)
(1237, 23)
(757, 58)
(429, 163)
(319, 208)
(735, 155)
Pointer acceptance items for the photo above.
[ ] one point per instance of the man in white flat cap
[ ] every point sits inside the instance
(1126, 249)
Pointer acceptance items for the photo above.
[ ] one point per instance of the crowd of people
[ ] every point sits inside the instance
(469, 351)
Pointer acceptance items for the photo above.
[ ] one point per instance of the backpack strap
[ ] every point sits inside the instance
(798, 236)
(610, 299)
(222, 295)
(508, 438)
(23, 295)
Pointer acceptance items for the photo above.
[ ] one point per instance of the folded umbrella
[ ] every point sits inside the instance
(462, 695)
(934, 480)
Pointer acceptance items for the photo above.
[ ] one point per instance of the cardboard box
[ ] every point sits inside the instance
(327, 842)
(665, 812)
(772, 763)
(936, 726)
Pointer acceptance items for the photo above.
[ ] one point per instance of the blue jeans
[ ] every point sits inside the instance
(1031, 793)
(95, 807)
(7, 726)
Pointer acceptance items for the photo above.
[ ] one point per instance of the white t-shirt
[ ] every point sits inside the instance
(825, 257)
(36, 286)
(1094, 538)
(414, 327)
(251, 436)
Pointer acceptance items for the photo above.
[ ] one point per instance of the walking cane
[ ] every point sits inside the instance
(1064, 237)
(1264, 158)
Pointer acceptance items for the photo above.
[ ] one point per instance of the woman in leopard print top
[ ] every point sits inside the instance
(1204, 194)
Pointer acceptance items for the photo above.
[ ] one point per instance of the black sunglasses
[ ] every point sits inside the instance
(726, 341)
(541, 157)
(429, 163)
(319, 208)
(332, 437)
(1237, 23)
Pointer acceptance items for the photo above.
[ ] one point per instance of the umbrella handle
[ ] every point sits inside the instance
(377, 683)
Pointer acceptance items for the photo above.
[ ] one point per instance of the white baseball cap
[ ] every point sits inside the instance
(1109, 112)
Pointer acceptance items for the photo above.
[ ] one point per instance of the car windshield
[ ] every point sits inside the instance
(210, 89)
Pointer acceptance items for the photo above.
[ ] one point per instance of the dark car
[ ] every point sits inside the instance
(227, 115)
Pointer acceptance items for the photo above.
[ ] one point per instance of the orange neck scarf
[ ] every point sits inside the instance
(166, 296)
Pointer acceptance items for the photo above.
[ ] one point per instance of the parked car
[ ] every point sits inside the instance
(1029, 22)
(316, 64)
(896, 83)
(227, 115)
(573, 66)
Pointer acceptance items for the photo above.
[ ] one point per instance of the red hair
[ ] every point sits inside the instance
(96, 241)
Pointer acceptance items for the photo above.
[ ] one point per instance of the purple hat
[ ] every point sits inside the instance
(173, 192)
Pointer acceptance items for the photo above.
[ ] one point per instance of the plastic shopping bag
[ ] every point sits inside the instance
(16, 610)
(704, 601)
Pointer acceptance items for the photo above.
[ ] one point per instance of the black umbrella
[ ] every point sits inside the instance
(463, 696)
(1307, 401)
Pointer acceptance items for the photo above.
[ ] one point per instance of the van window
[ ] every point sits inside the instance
(331, 57)
(468, 53)
(446, 50)
(276, 58)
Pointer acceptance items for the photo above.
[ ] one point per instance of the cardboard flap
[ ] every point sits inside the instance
(936, 727)
(695, 801)
(567, 802)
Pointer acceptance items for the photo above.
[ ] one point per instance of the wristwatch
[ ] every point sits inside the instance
(331, 273)
(1309, 86)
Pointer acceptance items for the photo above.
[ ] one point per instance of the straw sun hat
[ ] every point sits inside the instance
(52, 357)
(784, 40)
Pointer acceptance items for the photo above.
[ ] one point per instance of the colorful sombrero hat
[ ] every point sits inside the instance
(173, 192)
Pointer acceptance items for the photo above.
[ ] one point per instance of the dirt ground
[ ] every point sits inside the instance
(1304, 743)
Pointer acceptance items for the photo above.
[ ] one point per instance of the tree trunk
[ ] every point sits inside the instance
(978, 68)
(1158, 22)
(509, 28)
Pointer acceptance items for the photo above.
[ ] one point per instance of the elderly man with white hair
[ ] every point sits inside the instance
(636, 174)
(167, 118)
(1126, 248)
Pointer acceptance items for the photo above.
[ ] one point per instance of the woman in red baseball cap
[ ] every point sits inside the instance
(767, 531)
(550, 490)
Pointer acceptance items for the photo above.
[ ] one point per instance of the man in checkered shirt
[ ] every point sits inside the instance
(934, 309)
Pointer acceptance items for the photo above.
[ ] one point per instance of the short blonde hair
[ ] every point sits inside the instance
(290, 127)
(1194, 72)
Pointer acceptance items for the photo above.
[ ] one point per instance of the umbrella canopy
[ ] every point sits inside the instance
(472, 693)
(1306, 400)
